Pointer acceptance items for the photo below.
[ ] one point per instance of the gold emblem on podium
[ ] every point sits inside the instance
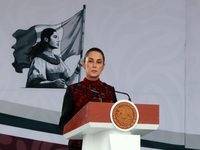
(124, 115)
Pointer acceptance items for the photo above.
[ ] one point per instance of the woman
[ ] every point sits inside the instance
(47, 69)
(79, 94)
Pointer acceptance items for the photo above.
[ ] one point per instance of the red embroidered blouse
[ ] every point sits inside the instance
(79, 94)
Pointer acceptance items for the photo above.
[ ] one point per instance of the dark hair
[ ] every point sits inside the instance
(96, 50)
(41, 46)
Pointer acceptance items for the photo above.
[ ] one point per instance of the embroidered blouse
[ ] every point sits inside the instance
(45, 68)
(79, 94)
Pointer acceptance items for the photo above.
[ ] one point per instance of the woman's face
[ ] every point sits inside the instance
(94, 65)
(54, 41)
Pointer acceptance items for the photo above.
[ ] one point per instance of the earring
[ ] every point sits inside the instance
(46, 39)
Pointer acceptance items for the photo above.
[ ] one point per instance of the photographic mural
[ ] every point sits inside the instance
(34, 49)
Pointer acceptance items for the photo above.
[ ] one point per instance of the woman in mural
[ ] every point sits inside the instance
(79, 94)
(47, 70)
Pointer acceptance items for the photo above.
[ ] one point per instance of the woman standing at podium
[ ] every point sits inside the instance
(90, 89)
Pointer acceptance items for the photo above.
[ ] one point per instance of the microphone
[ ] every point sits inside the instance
(119, 92)
(89, 83)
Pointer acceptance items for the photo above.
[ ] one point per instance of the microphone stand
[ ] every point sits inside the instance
(125, 94)
(120, 92)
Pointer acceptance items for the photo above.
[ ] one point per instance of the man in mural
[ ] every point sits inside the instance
(79, 94)
(47, 69)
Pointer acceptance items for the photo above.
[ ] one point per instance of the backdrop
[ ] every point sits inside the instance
(152, 53)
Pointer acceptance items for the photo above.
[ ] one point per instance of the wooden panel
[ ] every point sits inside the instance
(148, 114)
(91, 112)
(100, 112)
(81, 118)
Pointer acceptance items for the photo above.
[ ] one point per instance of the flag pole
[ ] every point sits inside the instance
(82, 41)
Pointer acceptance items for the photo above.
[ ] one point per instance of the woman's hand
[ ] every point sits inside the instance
(59, 83)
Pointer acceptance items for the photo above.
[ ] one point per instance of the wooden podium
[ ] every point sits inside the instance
(93, 125)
